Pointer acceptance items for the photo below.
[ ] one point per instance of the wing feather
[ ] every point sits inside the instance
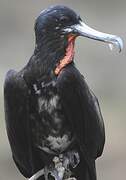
(83, 112)
(17, 121)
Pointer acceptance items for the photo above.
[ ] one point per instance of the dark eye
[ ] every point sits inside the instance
(64, 19)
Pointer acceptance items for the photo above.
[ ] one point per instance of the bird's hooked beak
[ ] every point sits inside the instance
(82, 29)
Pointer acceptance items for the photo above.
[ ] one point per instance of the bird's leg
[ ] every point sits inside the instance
(55, 169)
(72, 159)
(62, 165)
(59, 169)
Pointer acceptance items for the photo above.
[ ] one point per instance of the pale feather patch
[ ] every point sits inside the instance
(48, 105)
(54, 101)
(59, 143)
(37, 91)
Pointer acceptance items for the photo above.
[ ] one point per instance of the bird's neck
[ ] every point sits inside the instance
(51, 56)
(68, 57)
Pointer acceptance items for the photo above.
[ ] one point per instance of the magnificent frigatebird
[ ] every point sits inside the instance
(53, 119)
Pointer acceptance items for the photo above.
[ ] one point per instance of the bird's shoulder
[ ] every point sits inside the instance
(70, 76)
(14, 82)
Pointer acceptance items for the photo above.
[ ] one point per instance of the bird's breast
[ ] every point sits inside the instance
(51, 131)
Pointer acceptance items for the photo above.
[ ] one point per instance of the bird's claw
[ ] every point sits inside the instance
(60, 167)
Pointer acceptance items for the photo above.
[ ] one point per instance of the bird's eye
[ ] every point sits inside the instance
(64, 19)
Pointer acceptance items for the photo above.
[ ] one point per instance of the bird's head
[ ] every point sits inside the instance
(56, 29)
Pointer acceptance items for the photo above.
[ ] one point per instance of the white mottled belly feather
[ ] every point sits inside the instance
(53, 134)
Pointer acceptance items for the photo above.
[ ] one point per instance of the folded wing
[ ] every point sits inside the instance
(17, 121)
(83, 112)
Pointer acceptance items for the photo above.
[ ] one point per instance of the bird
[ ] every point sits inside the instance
(53, 119)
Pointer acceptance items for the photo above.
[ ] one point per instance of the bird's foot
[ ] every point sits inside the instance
(59, 169)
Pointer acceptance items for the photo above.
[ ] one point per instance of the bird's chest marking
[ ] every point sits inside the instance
(53, 132)
(50, 116)
(57, 144)
(48, 104)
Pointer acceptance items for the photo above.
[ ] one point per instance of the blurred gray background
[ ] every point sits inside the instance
(103, 69)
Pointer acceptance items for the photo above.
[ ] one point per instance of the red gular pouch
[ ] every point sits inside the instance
(68, 58)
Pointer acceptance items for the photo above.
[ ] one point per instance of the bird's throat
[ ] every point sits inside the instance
(68, 56)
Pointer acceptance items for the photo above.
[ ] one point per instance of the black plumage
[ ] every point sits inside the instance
(48, 114)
